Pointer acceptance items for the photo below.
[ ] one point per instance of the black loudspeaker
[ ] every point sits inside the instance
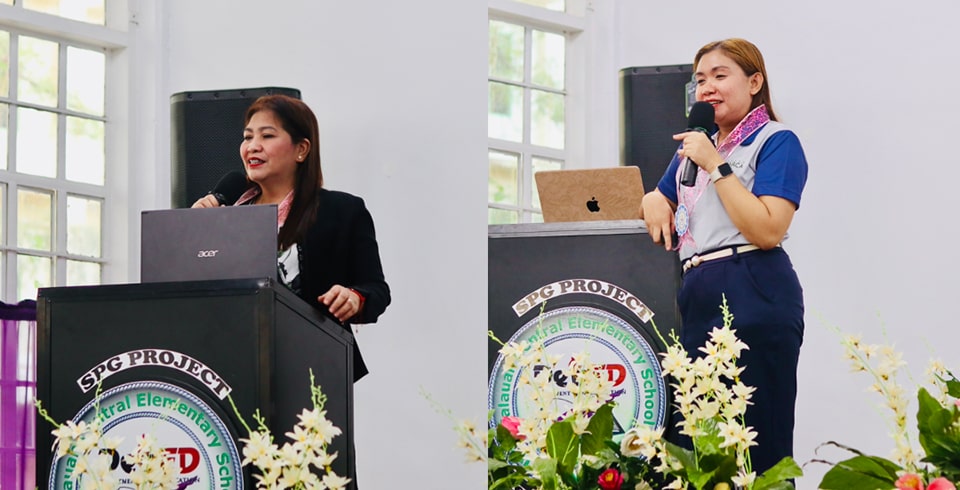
(653, 107)
(205, 133)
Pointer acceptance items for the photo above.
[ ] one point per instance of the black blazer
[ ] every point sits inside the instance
(341, 248)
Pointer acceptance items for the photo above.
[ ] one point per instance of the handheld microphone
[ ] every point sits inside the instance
(701, 119)
(230, 187)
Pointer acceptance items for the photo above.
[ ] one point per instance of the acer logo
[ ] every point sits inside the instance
(207, 253)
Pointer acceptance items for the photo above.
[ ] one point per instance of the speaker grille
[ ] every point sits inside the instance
(205, 132)
(653, 103)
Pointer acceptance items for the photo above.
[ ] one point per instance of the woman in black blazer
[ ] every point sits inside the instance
(328, 251)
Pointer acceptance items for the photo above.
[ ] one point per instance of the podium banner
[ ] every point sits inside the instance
(597, 287)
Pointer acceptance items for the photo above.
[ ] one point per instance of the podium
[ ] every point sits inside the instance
(167, 355)
(584, 286)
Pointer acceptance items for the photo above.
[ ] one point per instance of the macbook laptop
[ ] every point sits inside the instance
(590, 194)
(229, 242)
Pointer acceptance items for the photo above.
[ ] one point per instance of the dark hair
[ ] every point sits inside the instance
(750, 60)
(299, 121)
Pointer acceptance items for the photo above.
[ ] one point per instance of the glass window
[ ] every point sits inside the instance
(37, 71)
(53, 125)
(526, 115)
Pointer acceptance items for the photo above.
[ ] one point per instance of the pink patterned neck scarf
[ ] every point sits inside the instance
(688, 196)
(283, 209)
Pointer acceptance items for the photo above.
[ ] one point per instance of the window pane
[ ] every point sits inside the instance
(34, 219)
(82, 273)
(501, 217)
(540, 164)
(36, 142)
(83, 226)
(86, 71)
(506, 51)
(505, 112)
(546, 63)
(85, 155)
(503, 183)
(558, 5)
(4, 63)
(546, 119)
(4, 130)
(32, 273)
(91, 11)
(37, 75)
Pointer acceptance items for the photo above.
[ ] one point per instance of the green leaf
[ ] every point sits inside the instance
(599, 430)
(505, 440)
(508, 482)
(937, 434)
(563, 446)
(709, 443)
(953, 386)
(861, 473)
(784, 470)
(495, 464)
(547, 469)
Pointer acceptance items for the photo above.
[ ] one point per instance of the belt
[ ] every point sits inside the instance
(717, 254)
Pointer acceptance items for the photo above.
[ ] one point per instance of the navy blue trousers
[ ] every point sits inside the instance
(766, 300)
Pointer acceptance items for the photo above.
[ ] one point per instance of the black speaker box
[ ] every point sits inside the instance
(206, 128)
(653, 107)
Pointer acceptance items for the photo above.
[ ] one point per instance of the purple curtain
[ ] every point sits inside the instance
(18, 388)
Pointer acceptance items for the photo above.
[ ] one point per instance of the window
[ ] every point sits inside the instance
(528, 98)
(53, 137)
(55, 62)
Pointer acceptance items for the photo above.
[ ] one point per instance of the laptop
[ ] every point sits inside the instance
(590, 194)
(228, 242)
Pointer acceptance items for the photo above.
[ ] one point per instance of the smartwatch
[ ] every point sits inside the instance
(720, 172)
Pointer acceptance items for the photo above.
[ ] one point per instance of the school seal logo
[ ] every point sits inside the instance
(193, 435)
(611, 342)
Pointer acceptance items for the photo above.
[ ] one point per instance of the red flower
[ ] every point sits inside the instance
(909, 481)
(512, 424)
(611, 479)
(941, 484)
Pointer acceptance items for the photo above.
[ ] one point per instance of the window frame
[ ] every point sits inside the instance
(114, 41)
(571, 25)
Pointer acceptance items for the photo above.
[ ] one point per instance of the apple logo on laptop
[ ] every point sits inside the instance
(593, 205)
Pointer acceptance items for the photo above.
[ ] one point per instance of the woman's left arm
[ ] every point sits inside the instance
(367, 270)
(763, 220)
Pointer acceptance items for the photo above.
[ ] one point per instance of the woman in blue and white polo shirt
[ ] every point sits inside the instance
(729, 226)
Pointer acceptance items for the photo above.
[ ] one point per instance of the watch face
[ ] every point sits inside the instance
(725, 169)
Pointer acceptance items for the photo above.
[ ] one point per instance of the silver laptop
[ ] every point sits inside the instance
(229, 242)
(613, 193)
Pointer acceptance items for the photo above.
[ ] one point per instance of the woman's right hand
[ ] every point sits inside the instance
(207, 201)
(657, 213)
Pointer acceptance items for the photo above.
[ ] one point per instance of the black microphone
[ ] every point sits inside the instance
(230, 187)
(701, 119)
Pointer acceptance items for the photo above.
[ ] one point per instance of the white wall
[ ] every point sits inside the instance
(399, 90)
(868, 90)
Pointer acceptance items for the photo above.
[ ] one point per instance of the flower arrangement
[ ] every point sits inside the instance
(938, 428)
(573, 447)
(561, 446)
(94, 456)
(712, 401)
(294, 465)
